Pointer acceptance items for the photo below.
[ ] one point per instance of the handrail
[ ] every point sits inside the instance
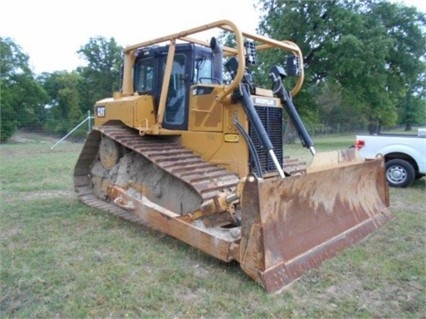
(226, 25)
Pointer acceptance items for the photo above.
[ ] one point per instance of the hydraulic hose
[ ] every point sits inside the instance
(252, 148)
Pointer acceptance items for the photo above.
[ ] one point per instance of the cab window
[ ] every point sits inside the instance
(144, 75)
(176, 97)
(203, 70)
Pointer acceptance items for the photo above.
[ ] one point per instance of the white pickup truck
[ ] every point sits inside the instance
(405, 155)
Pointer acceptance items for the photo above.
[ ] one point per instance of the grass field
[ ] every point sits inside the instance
(62, 259)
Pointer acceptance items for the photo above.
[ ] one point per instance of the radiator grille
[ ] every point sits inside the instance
(272, 120)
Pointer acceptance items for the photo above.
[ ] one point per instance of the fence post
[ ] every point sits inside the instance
(90, 122)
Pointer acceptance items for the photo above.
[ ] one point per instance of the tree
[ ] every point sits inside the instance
(22, 98)
(101, 76)
(349, 46)
(8, 120)
(405, 26)
(64, 111)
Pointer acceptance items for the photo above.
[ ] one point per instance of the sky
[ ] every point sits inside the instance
(51, 32)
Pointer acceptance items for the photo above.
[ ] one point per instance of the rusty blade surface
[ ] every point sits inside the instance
(291, 225)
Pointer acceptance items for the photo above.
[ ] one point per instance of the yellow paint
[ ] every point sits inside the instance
(133, 111)
(205, 113)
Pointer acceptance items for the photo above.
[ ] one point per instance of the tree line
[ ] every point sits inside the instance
(364, 66)
(55, 102)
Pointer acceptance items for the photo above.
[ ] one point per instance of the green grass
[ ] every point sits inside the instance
(62, 259)
(321, 144)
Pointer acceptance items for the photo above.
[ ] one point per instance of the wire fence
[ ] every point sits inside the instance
(79, 132)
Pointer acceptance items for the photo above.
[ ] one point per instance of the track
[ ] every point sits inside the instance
(204, 178)
(167, 156)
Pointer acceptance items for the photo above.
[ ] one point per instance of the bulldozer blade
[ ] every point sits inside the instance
(292, 225)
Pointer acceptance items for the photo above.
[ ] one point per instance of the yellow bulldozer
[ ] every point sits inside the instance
(192, 147)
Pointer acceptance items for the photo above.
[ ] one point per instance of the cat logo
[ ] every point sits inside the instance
(261, 101)
(100, 111)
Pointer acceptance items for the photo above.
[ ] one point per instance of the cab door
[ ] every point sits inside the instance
(176, 111)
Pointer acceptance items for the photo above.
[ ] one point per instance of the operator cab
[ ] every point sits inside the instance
(192, 64)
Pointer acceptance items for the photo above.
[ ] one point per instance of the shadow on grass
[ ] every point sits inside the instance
(419, 184)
